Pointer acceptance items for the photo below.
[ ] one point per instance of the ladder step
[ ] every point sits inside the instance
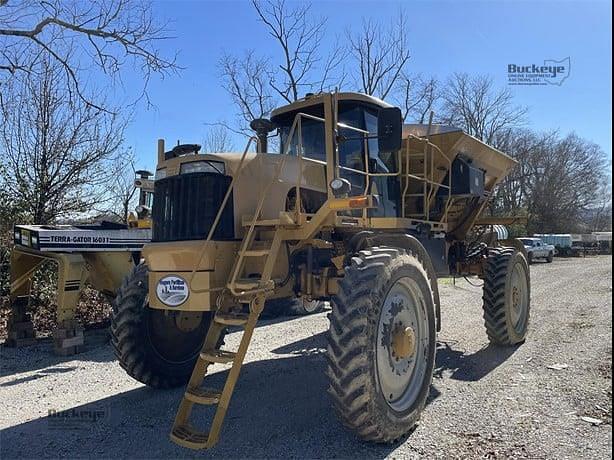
(186, 436)
(218, 356)
(231, 319)
(248, 284)
(256, 252)
(202, 395)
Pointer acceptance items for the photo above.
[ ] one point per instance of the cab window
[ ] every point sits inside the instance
(313, 137)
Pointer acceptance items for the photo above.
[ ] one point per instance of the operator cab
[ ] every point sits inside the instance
(359, 155)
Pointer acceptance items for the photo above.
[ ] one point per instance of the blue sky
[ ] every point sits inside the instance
(444, 37)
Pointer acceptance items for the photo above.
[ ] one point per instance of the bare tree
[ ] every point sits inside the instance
(599, 215)
(120, 193)
(474, 104)
(246, 81)
(300, 38)
(115, 35)
(557, 183)
(218, 140)
(565, 184)
(56, 148)
(380, 56)
(295, 65)
(417, 97)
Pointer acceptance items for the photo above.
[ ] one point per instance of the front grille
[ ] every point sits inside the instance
(185, 207)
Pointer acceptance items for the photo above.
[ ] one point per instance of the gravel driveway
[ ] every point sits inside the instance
(521, 402)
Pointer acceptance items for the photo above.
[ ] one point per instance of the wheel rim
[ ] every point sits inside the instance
(519, 298)
(402, 343)
(168, 341)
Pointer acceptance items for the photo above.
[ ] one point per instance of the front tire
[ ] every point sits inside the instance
(381, 348)
(155, 347)
(507, 296)
(550, 257)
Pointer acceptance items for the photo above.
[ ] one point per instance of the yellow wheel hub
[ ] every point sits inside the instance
(403, 342)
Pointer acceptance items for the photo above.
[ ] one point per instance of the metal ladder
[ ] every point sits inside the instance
(250, 291)
(183, 432)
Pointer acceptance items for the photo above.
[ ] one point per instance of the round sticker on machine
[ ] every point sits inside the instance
(172, 290)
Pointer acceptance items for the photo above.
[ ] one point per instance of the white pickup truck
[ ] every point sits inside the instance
(537, 249)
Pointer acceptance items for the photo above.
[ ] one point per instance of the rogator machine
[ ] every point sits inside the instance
(354, 208)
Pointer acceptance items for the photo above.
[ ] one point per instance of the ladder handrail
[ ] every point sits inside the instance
(248, 235)
(218, 216)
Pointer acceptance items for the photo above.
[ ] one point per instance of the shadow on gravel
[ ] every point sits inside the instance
(470, 367)
(38, 375)
(280, 409)
(41, 356)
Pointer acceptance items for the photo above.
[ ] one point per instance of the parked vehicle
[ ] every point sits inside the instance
(562, 243)
(604, 242)
(537, 249)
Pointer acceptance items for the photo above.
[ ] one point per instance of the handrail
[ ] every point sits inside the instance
(247, 236)
(428, 179)
(218, 216)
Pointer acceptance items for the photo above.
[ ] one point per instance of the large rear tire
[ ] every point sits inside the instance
(156, 347)
(381, 348)
(507, 296)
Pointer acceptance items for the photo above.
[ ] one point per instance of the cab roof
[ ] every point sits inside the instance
(314, 99)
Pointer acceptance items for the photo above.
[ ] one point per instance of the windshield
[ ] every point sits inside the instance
(313, 137)
(351, 146)
(526, 241)
(356, 156)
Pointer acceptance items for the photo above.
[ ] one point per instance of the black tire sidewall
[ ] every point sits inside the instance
(351, 351)
(516, 258)
(131, 337)
(410, 415)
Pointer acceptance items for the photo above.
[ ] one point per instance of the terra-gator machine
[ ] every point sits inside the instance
(355, 208)
(100, 254)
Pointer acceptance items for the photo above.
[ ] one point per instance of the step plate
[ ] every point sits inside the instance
(218, 356)
(186, 436)
(205, 396)
(231, 319)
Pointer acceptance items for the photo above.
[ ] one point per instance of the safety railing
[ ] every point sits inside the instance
(218, 216)
(430, 186)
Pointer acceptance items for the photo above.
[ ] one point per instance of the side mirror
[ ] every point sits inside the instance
(389, 130)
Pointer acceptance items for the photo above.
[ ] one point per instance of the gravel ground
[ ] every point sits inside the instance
(485, 402)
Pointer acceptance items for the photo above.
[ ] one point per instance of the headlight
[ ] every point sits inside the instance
(160, 173)
(340, 187)
(216, 167)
